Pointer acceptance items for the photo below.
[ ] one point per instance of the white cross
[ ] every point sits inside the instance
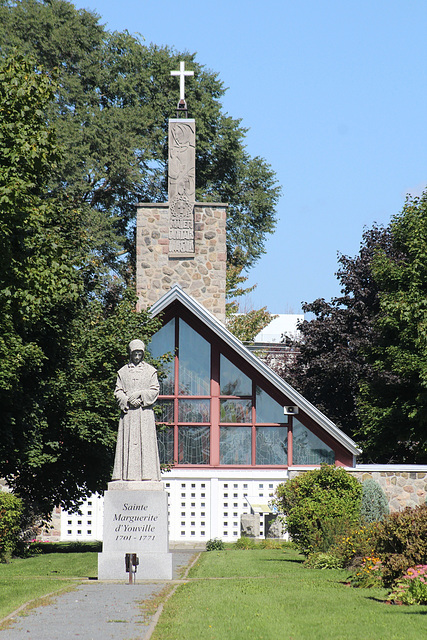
(182, 73)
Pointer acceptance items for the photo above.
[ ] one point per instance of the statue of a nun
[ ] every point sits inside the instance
(137, 388)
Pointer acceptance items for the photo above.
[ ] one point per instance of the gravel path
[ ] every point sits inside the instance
(94, 611)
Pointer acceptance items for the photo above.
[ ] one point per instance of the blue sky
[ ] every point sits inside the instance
(334, 94)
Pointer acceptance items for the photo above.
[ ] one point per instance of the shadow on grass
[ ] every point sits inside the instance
(36, 548)
(295, 560)
(415, 613)
(380, 600)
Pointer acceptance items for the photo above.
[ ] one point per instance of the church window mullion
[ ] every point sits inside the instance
(215, 408)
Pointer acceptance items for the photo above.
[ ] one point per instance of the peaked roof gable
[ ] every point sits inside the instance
(176, 294)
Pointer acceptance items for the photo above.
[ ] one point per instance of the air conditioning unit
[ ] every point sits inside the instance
(290, 411)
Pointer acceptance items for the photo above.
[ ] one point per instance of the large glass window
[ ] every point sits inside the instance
(164, 411)
(165, 441)
(193, 410)
(271, 445)
(193, 445)
(308, 448)
(236, 410)
(211, 412)
(267, 409)
(233, 382)
(163, 343)
(235, 445)
(235, 442)
(194, 362)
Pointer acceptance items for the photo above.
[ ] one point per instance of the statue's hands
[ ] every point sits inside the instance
(134, 399)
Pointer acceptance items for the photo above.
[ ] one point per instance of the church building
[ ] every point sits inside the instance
(229, 428)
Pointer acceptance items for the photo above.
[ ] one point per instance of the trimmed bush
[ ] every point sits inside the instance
(401, 542)
(374, 505)
(320, 507)
(11, 509)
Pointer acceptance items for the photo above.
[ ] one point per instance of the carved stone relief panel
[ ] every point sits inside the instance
(181, 187)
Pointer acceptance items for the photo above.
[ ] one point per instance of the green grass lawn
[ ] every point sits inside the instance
(270, 595)
(233, 595)
(27, 579)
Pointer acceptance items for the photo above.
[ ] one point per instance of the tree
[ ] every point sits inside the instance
(392, 403)
(362, 358)
(331, 359)
(61, 341)
(112, 105)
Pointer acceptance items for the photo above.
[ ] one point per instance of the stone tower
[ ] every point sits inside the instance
(182, 241)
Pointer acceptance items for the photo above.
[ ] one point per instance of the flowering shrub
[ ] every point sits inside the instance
(357, 544)
(412, 587)
(369, 574)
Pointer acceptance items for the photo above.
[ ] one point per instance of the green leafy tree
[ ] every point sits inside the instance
(38, 281)
(61, 339)
(362, 358)
(331, 355)
(319, 505)
(113, 101)
(394, 415)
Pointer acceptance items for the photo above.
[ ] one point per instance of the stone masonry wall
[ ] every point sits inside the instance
(403, 488)
(202, 276)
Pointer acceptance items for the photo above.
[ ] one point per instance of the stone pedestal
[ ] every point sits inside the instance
(135, 521)
(249, 525)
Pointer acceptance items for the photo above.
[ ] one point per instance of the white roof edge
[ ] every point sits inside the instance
(176, 293)
(409, 468)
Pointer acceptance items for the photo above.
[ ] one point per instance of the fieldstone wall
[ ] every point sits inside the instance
(202, 275)
(402, 488)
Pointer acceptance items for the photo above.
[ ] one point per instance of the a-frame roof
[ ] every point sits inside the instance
(176, 294)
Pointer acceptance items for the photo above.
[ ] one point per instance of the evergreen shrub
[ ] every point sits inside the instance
(374, 505)
(11, 509)
(401, 542)
(320, 506)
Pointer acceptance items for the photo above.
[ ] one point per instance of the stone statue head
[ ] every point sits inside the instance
(136, 345)
(136, 351)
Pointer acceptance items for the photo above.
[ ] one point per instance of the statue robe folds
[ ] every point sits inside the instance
(137, 456)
